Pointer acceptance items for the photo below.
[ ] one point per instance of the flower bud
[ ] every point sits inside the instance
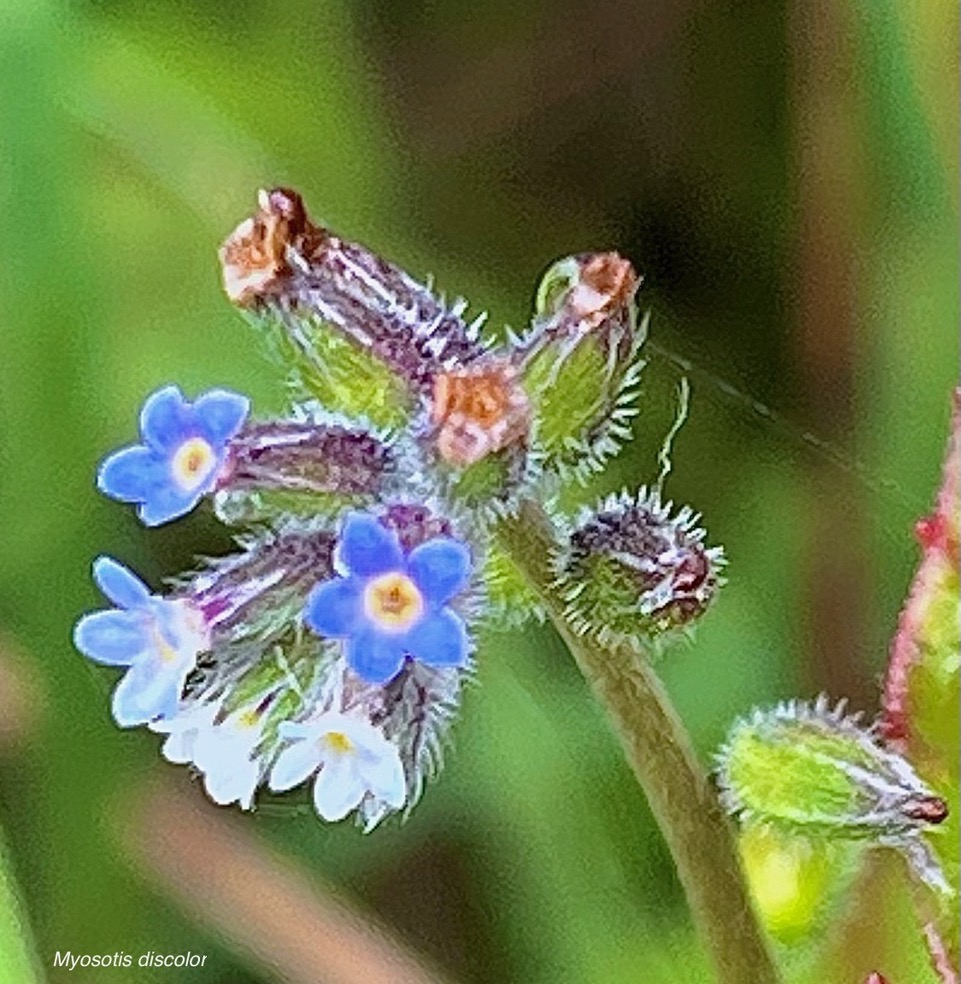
(300, 466)
(632, 571)
(349, 319)
(809, 770)
(580, 361)
(260, 591)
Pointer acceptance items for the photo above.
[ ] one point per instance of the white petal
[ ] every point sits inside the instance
(184, 730)
(233, 781)
(384, 776)
(338, 789)
(295, 764)
(179, 747)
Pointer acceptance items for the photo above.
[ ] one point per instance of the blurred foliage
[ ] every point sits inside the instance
(479, 142)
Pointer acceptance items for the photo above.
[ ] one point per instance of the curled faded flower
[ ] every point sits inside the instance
(478, 411)
(182, 454)
(254, 256)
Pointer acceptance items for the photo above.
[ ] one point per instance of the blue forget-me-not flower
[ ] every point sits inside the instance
(388, 604)
(183, 450)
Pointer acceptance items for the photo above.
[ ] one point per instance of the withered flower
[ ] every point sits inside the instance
(607, 282)
(479, 410)
(254, 256)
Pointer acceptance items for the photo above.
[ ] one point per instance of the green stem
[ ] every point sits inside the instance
(659, 752)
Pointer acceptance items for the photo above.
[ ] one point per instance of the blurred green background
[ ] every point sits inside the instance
(785, 175)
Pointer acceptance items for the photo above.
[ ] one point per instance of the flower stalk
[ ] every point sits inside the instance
(659, 752)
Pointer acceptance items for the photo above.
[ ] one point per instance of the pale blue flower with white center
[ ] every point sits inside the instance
(157, 639)
(182, 455)
(354, 760)
(389, 605)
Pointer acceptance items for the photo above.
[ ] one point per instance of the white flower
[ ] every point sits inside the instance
(224, 753)
(354, 759)
(182, 730)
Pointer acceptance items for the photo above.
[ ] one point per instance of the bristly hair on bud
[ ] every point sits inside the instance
(631, 571)
(309, 463)
(813, 771)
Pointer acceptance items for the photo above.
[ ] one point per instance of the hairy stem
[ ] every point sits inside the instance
(659, 752)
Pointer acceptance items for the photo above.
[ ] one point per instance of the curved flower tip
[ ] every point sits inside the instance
(158, 640)
(389, 604)
(355, 761)
(181, 455)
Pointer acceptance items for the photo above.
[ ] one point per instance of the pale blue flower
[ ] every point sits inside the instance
(389, 605)
(158, 640)
(183, 452)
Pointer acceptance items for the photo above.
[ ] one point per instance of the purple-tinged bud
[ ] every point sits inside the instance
(415, 524)
(280, 257)
(261, 591)
(300, 466)
(632, 571)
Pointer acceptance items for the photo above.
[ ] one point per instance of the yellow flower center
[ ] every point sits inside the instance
(165, 651)
(393, 602)
(248, 718)
(337, 741)
(193, 462)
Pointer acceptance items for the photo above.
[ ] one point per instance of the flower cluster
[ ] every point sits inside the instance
(332, 647)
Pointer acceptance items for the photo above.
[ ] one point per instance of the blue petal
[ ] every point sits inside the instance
(334, 607)
(167, 502)
(440, 568)
(145, 693)
(375, 656)
(439, 639)
(165, 419)
(367, 548)
(119, 584)
(111, 637)
(127, 474)
(220, 414)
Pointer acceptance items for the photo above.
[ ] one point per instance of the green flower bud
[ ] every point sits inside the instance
(580, 362)
(809, 770)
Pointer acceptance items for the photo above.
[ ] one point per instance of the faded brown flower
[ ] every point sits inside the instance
(607, 282)
(479, 411)
(255, 255)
